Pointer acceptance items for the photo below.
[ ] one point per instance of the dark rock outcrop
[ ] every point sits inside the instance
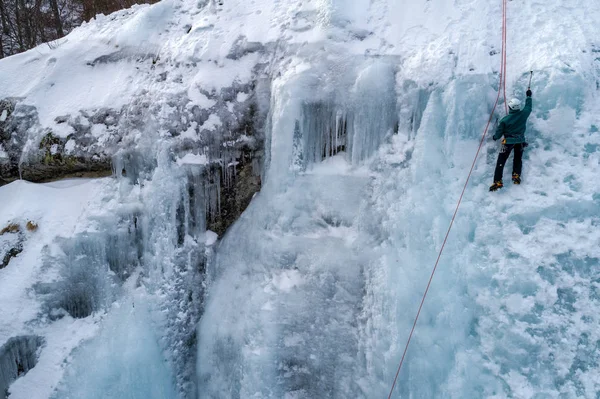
(236, 194)
(52, 157)
(11, 243)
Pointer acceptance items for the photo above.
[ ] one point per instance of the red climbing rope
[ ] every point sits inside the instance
(502, 87)
(503, 73)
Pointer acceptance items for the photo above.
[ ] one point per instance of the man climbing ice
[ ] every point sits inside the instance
(512, 127)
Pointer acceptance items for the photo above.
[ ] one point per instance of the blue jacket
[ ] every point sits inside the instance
(513, 125)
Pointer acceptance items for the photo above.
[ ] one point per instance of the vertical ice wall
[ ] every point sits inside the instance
(317, 114)
(410, 207)
(314, 291)
(354, 119)
(285, 289)
(374, 109)
(511, 311)
(149, 242)
(123, 361)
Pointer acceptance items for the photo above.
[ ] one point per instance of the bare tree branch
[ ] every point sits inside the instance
(57, 21)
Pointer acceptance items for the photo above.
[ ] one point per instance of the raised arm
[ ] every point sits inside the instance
(499, 131)
(528, 103)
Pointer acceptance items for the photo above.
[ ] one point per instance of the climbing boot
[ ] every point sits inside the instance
(516, 178)
(497, 185)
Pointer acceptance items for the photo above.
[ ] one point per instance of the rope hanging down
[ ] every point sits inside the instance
(503, 67)
(501, 88)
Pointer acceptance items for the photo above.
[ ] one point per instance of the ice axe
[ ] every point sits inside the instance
(525, 145)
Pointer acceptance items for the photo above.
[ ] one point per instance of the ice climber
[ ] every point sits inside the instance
(512, 127)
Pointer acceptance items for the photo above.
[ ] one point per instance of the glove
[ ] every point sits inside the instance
(494, 138)
(528, 93)
(525, 145)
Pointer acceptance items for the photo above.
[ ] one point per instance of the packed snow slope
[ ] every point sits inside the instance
(373, 112)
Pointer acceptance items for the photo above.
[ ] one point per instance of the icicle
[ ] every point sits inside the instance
(212, 193)
(218, 196)
(375, 109)
(298, 149)
(320, 131)
(17, 356)
(182, 216)
(133, 165)
(84, 286)
(195, 204)
(123, 245)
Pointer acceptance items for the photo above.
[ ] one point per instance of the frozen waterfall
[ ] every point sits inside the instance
(287, 284)
(313, 291)
(349, 127)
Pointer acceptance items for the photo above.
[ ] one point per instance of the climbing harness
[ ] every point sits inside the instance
(502, 88)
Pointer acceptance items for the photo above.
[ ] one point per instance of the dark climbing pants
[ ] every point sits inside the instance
(503, 156)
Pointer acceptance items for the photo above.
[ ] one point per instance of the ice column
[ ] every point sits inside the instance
(374, 106)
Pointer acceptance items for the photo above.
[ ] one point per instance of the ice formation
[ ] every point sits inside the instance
(372, 112)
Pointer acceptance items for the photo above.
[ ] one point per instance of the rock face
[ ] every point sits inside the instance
(50, 158)
(236, 197)
(230, 134)
(11, 243)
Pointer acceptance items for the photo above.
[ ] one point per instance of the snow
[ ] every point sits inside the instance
(144, 29)
(69, 146)
(98, 130)
(287, 280)
(210, 238)
(200, 99)
(193, 159)
(312, 293)
(59, 210)
(76, 88)
(211, 123)
(214, 76)
(41, 381)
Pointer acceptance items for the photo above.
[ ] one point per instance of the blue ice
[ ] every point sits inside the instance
(124, 360)
(314, 290)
